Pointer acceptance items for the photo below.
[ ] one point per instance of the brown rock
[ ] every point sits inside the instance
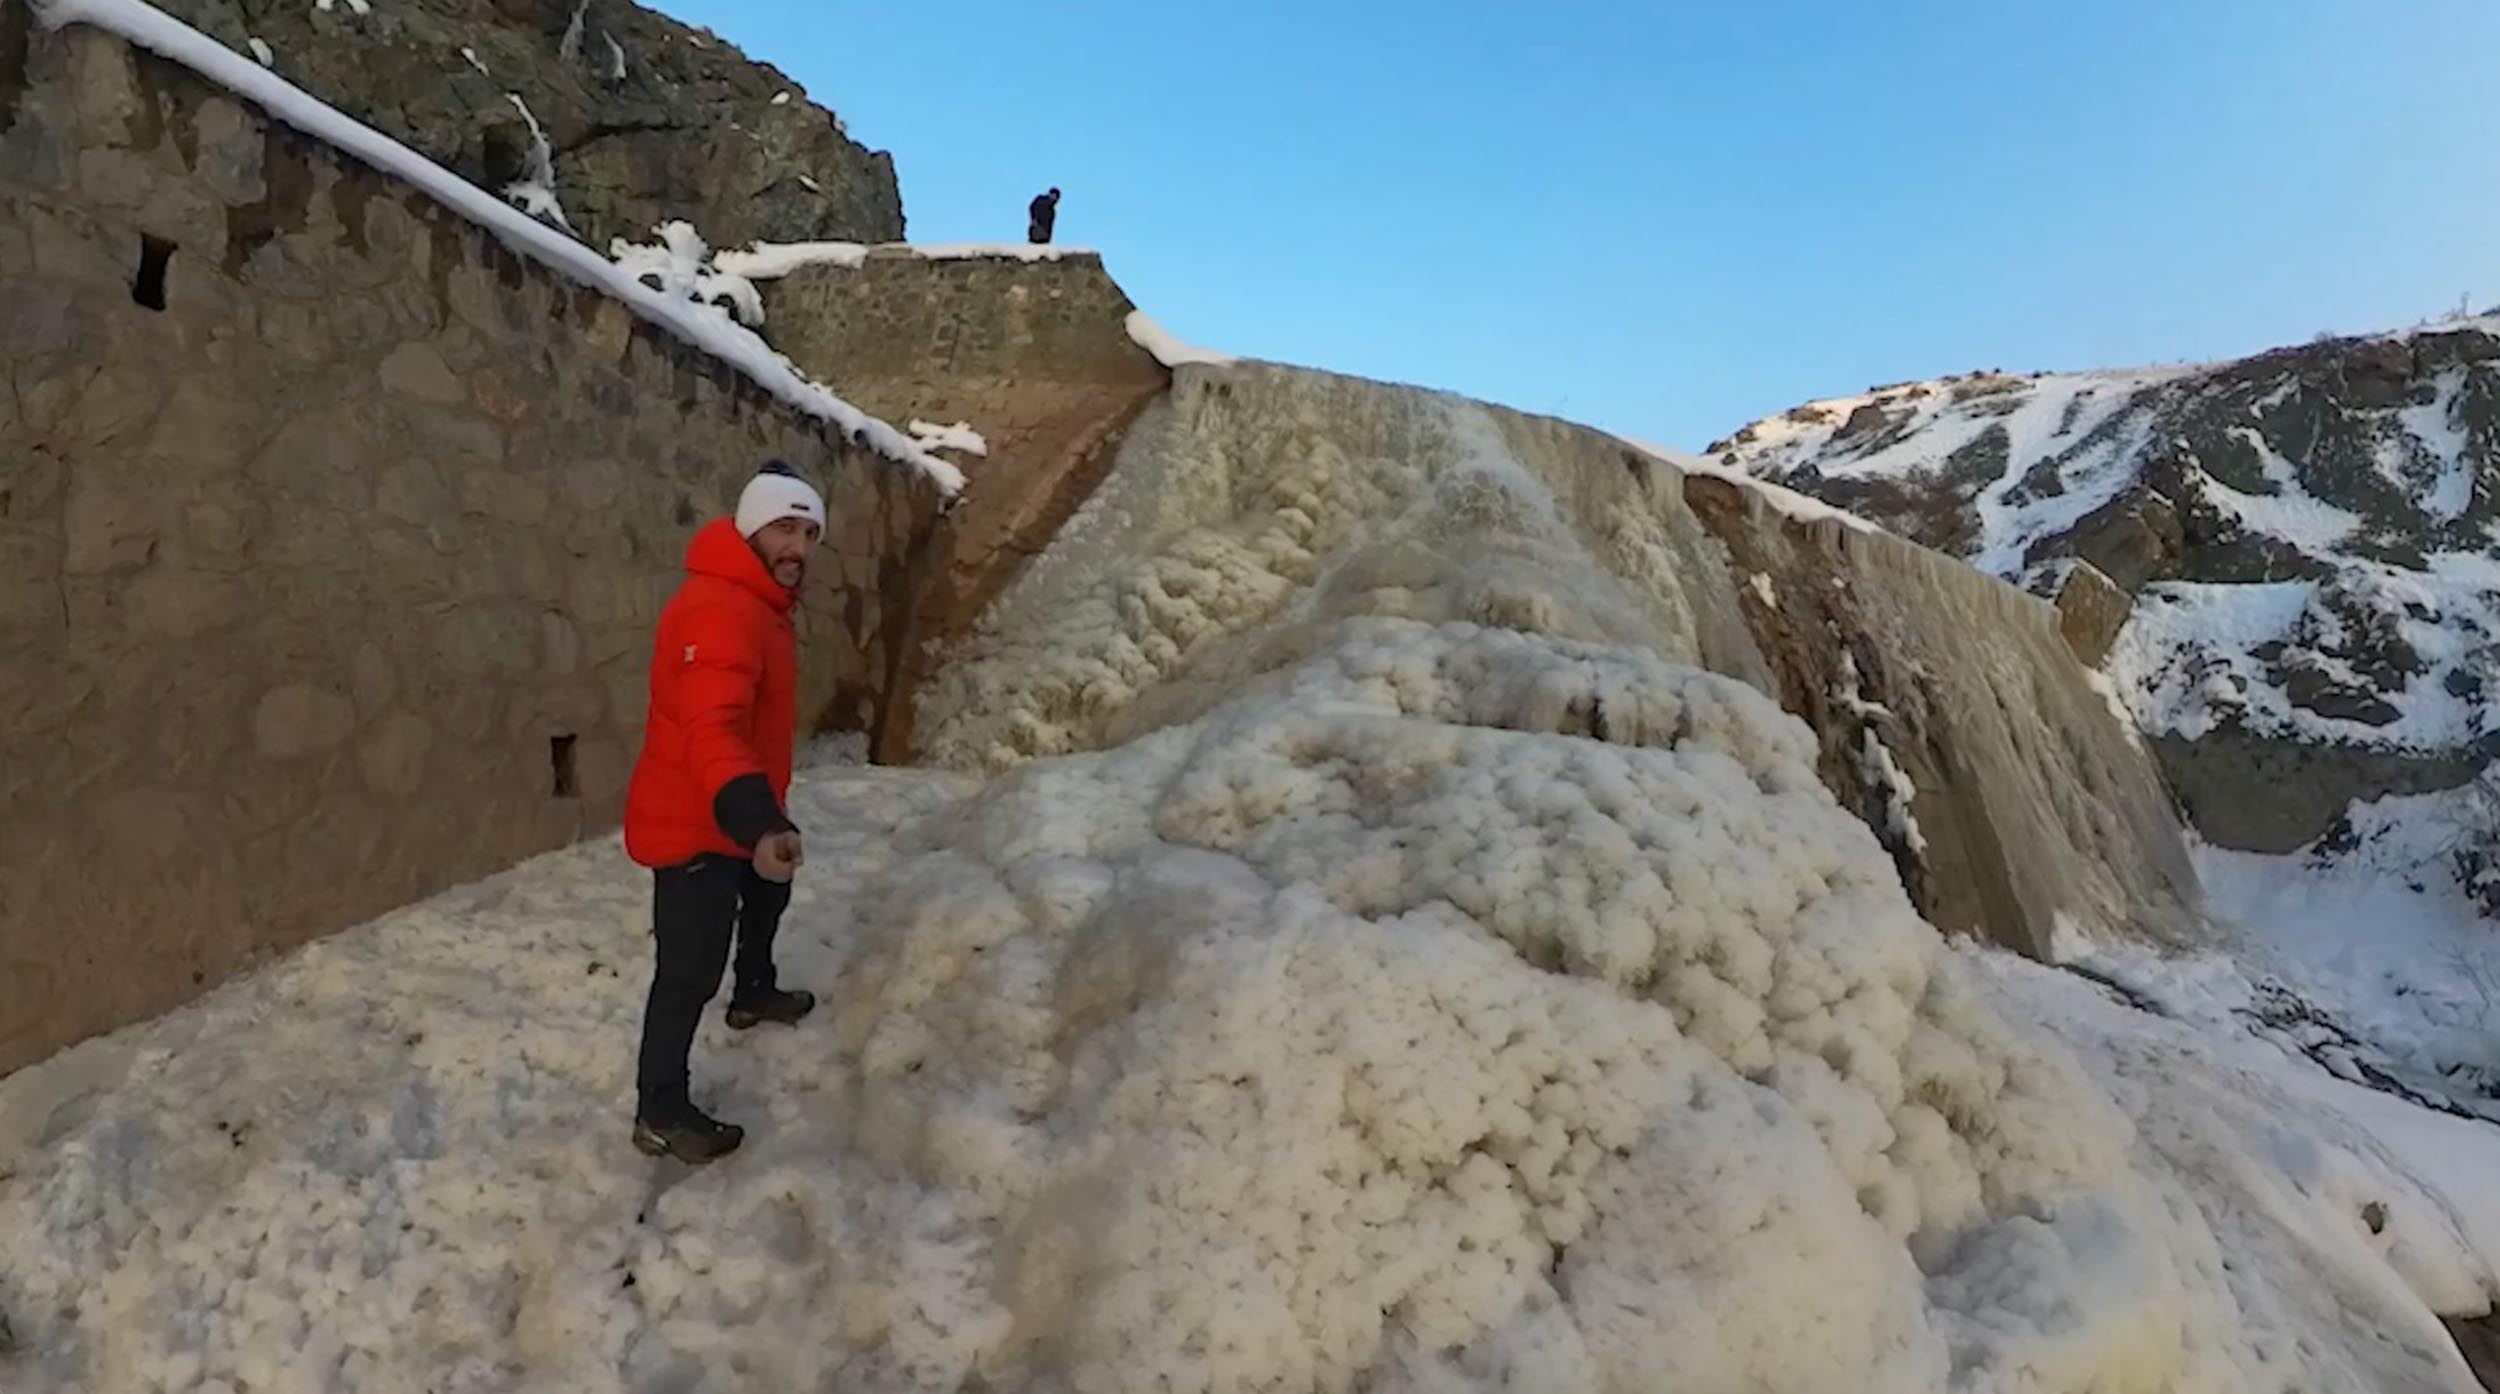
(1866, 419)
(417, 370)
(610, 331)
(2091, 610)
(2130, 540)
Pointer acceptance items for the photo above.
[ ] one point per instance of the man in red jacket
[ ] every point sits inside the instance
(707, 809)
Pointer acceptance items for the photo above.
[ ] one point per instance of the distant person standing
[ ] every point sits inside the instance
(1045, 211)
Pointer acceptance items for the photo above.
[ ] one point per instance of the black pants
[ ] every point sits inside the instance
(694, 909)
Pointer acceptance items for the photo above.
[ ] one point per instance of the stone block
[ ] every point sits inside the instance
(505, 496)
(506, 397)
(609, 333)
(299, 719)
(485, 641)
(413, 492)
(417, 370)
(559, 643)
(222, 520)
(170, 603)
(457, 432)
(372, 678)
(629, 699)
(112, 407)
(17, 256)
(112, 522)
(231, 145)
(106, 87)
(324, 457)
(393, 757)
(205, 427)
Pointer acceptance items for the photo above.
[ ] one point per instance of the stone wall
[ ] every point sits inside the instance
(1035, 356)
(327, 584)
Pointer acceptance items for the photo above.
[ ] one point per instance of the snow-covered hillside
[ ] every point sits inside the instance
(2308, 569)
(2308, 533)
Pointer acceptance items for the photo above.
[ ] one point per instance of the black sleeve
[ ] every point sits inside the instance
(746, 810)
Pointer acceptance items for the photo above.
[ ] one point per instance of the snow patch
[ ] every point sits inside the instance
(767, 261)
(535, 194)
(570, 47)
(958, 437)
(708, 329)
(2437, 428)
(260, 51)
(679, 265)
(1763, 589)
(1168, 350)
(475, 61)
(1877, 766)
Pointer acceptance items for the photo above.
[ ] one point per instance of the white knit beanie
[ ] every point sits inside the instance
(775, 494)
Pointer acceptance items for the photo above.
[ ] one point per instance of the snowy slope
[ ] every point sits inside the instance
(1146, 1070)
(2310, 533)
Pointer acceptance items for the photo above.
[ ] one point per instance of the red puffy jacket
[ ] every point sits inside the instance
(714, 775)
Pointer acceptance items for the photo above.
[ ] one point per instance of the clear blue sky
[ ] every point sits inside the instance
(1670, 218)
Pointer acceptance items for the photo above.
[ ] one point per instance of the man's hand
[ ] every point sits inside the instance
(779, 856)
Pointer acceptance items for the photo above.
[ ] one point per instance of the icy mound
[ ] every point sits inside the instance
(1256, 504)
(1405, 1016)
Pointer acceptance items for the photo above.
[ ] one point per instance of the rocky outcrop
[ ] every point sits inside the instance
(643, 119)
(331, 533)
(2032, 814)
(2305, 540)
(1034, 356)
(2091, 609)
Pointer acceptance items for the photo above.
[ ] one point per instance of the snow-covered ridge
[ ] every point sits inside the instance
(2312, 534)
(700, 325)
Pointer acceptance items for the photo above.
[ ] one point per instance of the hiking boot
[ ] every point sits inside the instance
(775, 1005)
(694, 1139)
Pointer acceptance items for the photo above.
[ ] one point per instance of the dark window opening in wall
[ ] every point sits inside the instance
(155, 254)
(560, 757)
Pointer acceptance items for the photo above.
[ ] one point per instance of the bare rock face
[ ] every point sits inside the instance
(2030, 808)
(637, 118)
